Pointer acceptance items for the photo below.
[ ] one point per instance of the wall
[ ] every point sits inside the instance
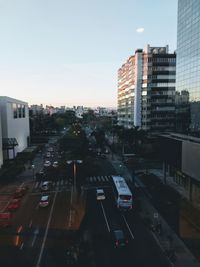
(191, 159)
(14, 127)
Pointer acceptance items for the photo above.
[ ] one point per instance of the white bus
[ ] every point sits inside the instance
(123, 194)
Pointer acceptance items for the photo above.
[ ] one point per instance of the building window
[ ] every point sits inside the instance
(23, 111)
(14, 107)
(19, 110)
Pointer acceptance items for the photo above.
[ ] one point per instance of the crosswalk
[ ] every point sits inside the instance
(98, 179)
(54, 184)
(66, 183)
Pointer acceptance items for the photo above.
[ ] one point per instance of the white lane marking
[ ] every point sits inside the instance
(71, 199)
(36, 185)
(22, 245)
(128, 227)
(22, 184)
(46, 231)
(107, 224)
(30, 224)
(36, 232)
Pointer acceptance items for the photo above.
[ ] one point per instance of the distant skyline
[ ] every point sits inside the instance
(62, 52)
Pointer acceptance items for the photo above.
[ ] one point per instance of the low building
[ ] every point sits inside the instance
(15, 126)
(181, 157)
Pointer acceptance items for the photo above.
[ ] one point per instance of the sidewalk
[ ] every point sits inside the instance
(167, 239)
(169, 181)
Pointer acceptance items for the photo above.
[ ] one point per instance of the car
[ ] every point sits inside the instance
(100, 194)
(48, 154)
(119, 239)
(106, 151)
(47, 163)
(45, 186)
(55, 164)
(44, 201)
(5, 219)
(20, 191)
(13, 204)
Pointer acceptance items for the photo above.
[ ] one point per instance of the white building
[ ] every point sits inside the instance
(15, 124)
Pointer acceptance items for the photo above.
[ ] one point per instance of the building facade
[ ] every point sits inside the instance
(146, 90)
(180, 154)
(188, 65)
(15, 126)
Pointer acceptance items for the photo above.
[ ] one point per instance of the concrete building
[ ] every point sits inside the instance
(188, 64)
(181, 156)
(146, 90)
(15, 126)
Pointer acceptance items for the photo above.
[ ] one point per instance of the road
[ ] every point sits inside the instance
(102, 218)
(41, 237)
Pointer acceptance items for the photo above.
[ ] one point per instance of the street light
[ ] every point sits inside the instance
(74, 169)
(33, 168)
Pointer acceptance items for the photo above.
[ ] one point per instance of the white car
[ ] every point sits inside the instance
(100, 194)
(45, 186)
(55, 164)
(44, 201)
(47, 163)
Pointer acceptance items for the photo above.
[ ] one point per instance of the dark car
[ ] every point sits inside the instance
(119, 239)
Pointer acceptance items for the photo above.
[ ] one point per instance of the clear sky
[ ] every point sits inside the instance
(67, 52)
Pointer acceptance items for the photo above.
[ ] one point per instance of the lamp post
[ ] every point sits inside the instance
(75, 162)
(33, 168)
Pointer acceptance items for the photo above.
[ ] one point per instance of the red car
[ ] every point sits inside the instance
(20, 191)
(14, 204)
(5, 219)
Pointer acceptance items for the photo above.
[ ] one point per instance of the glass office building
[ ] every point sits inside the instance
(188, 66)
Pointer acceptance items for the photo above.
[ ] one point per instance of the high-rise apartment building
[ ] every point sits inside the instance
(146, 90)
(188, 65)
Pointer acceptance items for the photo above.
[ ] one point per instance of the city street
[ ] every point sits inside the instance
(43, 236)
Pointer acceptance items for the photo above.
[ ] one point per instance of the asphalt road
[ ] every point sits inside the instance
(41, 237)
(103, 218)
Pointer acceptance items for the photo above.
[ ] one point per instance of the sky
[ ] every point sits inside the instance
(67, 52)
